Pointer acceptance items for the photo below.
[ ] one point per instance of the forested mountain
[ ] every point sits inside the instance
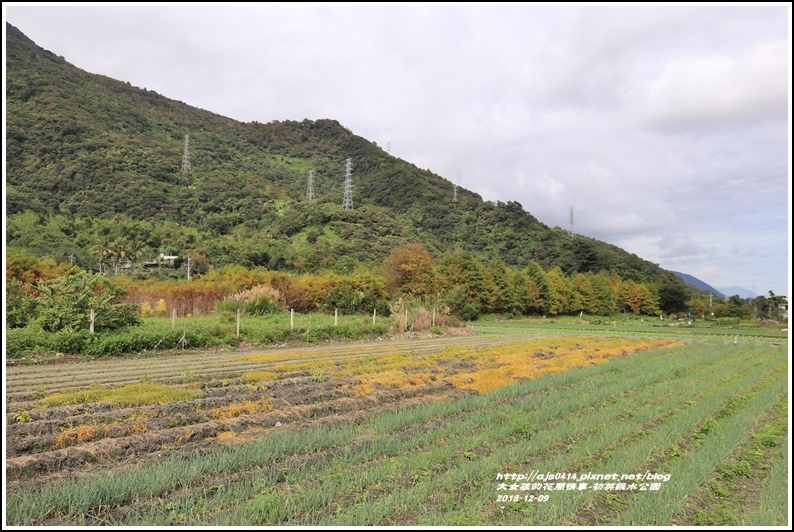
(92, 160)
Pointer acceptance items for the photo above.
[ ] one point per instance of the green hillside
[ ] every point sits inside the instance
(91, 159)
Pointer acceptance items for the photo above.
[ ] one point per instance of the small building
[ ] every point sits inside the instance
(162, 260)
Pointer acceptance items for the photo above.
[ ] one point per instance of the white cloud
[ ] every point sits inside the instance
(703, 91)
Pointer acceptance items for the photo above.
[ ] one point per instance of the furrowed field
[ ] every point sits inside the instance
(516, 425)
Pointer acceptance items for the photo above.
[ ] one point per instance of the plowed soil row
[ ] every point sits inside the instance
(113, 450)
(233, 396)
(78, 438)
(26, 382)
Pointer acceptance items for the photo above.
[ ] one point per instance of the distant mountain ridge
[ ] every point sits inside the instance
(697, 283)
(744, 293)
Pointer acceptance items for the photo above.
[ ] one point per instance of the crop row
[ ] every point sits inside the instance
(89, 415)
(650, 330)
(443, 457)
(27, 381)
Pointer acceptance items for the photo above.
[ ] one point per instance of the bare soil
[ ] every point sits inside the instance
(38, 450)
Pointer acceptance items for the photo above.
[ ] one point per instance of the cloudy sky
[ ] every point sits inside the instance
(665, 127)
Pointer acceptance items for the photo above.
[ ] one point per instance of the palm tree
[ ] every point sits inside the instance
(101, 251)
(118, 252)
(135, 251)
(774, 304)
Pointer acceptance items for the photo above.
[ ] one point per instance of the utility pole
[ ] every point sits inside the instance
(710, 296)
(347, 203)
(752, 299)
(188, 267)
(310, 191)
(186, 157)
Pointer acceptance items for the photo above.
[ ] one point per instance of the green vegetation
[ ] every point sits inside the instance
(630, 326)
(22, 417)
(66, 304)
(53, 315)
(728, 496)
(154, 334)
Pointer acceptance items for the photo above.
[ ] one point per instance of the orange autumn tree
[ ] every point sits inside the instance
(409, 270)
(632, 296)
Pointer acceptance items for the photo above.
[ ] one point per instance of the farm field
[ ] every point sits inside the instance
(511, 426)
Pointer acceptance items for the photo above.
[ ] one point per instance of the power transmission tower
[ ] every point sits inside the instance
(310, 191)
(455, 191)
(570, 233)
(347, 204)
(186, 157)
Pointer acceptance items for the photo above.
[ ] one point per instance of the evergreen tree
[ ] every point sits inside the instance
(582, 296)
(537, 276)
(559, 292)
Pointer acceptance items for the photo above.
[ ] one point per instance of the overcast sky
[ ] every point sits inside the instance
(665, 127)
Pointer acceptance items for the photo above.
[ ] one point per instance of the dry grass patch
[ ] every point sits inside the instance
(232, 437)
(502, 365)
(131, 395)
(295, 355)
(507, 364)
(74, 435)
(238, 409)
(229, 436)
(479, 369)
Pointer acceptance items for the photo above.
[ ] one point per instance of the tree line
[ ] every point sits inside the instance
(40, 291)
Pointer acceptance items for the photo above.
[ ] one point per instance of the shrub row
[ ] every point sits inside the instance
(728, 322)
(350, 332)
(21, 342)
